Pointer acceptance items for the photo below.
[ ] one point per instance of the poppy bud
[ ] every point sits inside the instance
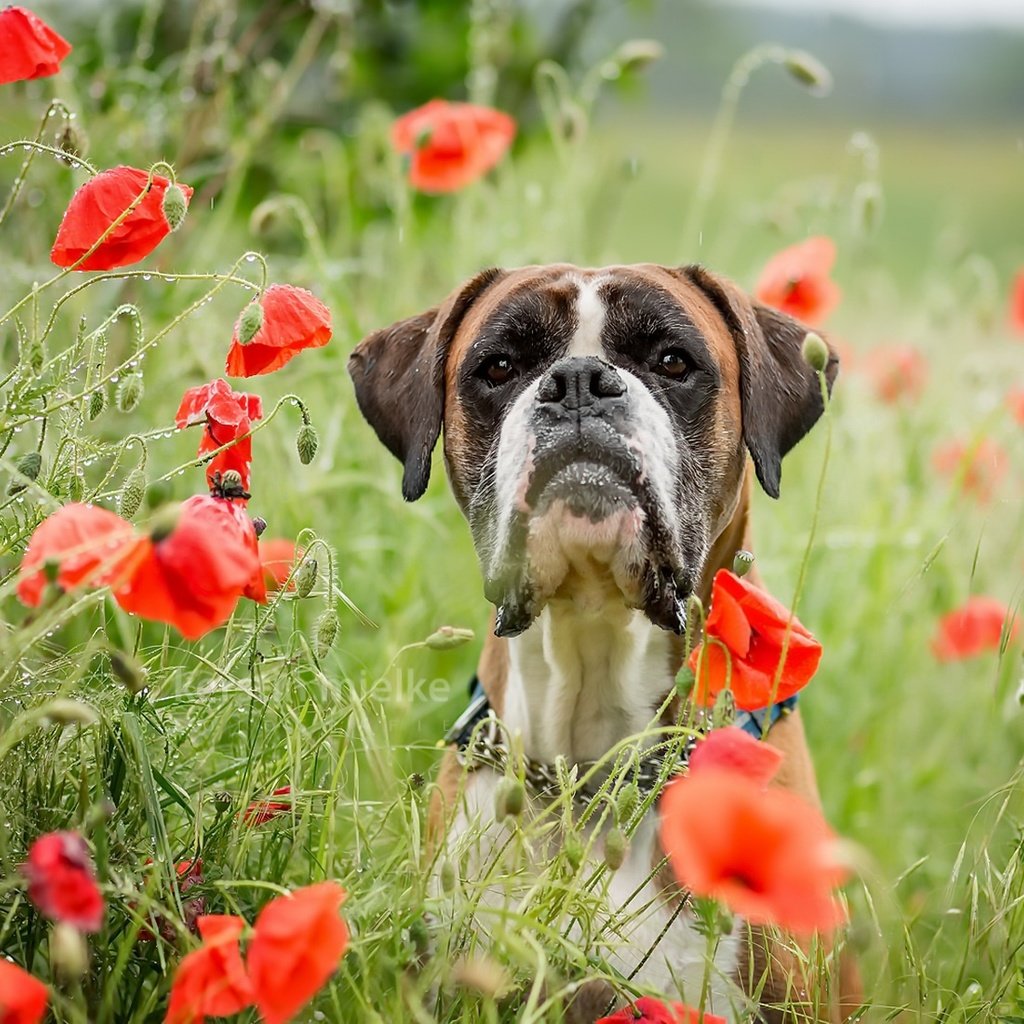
(157, 493)
(129, 393)
(325, 632)
(132, 493)
(69, 954)
(306, 577)
(127, 670)
(809, 71)
(76, 486)
(626, 803)
(724, 711)
(509, 799)
(419, 935)
(307, 442)
(815, 352)
(573, 850)
(615, 847)
(633, 56)
(164, 523)
(72, 140)
(175, 206)
(742, 562)
(65, 712)
(97, 403)
(444, 638)
(51, 570)
(249, 322)
(447, 876)
(28, 466)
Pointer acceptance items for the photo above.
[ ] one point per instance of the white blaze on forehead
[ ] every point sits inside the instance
(590, 316)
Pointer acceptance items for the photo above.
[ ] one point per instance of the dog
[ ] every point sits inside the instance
(603, 429)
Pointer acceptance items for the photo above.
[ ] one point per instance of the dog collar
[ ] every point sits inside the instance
(480, 740)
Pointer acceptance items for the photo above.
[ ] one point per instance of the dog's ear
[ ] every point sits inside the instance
(398, 374)
(779, 392)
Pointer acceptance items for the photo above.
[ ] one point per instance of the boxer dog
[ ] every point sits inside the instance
(597, 426)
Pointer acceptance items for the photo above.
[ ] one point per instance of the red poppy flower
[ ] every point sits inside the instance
(22, 997)
(977, 468)
(451, 144)
(97, 204)
(259, 812)
(211, 981)
(897, 372)
(91, 546)
(278, 557)
(229, 416)
(192, 576)
(61, 881)
(752, 626)
(29, 48)
(976, 627)
(1017, 303)
(796, 280)
(647, 1010)
(1015, 403)
(293, 319)
(765, 853)
(732, 749)
(297, 943)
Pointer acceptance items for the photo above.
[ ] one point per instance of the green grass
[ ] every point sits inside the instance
(919, 763)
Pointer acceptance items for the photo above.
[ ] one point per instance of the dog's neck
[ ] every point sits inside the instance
(590, 671)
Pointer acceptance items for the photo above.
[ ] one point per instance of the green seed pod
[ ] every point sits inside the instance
(448, 877)
(444, 638)
(97, 403)
(685, 680)
(125, 669)
(513, 795)
(249, 322)
(419, 935)
(175, 206)
(28, 466)
(132, 493)
(157, 493)
(325, 632)
(76, 486)
(306, 443)
(69, 954)
(306, 577)
(815, 352)
(572, 847)
(615, 847)
(724, 711)
(129, 393)
(742, 561)
(626, 803)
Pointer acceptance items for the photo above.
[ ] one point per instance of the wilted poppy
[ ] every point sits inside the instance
(228, 416)
(753, 628)
(735, 750)
(90, 547)
(451, 144)
(297, 942)
(765, 853)
(977, 468)
(1015, 403)
(188, 874)
(796, 280)
(22, 997)
(192, 572)
(278, 557)
(1017, 303)
(97, 204)
(62, 882)
(259, 812)
(29, 48)
(897, 372)
(976, 627)
(648, 1010)
(211, 981)
(292, 319)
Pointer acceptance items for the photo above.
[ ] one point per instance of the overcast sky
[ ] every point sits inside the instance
(939, 13)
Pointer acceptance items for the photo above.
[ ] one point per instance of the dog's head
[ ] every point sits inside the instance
(596, 422)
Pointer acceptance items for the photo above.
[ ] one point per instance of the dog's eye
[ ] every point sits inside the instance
(497, 370)
(674, 363)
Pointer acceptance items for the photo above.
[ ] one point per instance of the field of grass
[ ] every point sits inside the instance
(919, 762)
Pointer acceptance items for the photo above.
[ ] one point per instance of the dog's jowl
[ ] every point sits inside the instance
(602, 431)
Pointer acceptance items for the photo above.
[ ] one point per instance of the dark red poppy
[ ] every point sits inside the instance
(192, 576)
(22, 997)
(278, 557)
(976, 627)
(765, 853)
(259, 812)
(91, 547)
(451, 145)
(211, 981)
(796, 281)
(977, 468)
(189, 873)
(97, 204)
(732, 749)
(744, 637)
(648, 1010)
(1017, 303)
(62, 881)
(297, 942)
(897, 373)
(293, 319)
(29, 48)
(228, 416)
(1015, 403)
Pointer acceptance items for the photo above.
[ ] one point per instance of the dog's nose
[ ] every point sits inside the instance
(578, 381)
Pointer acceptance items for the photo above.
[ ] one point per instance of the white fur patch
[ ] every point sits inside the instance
(590, 316)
